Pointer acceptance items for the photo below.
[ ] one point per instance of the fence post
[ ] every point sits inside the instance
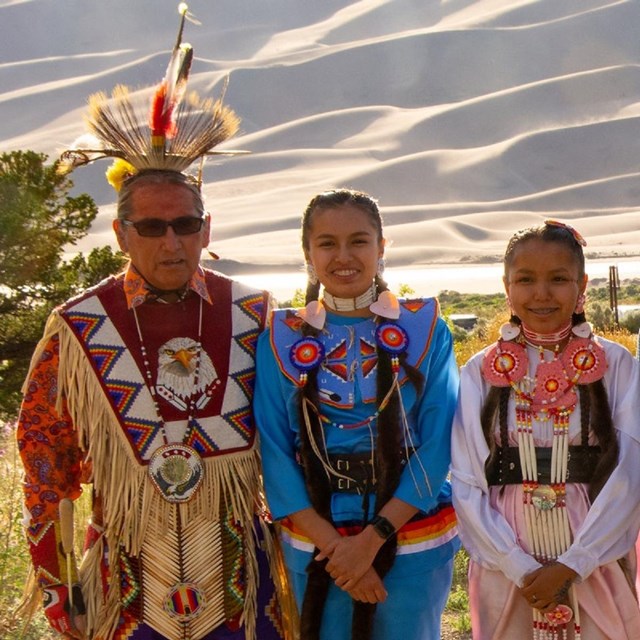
(614, 285)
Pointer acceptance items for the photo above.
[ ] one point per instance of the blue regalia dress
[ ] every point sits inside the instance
(419, 580)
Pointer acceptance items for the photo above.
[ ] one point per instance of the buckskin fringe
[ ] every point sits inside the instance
(133, 509)
(280, 577)
(91, 583)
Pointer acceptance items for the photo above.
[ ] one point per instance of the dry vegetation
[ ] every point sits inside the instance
(14, 556)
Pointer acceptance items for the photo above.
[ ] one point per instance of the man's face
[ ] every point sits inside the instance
(168, 261)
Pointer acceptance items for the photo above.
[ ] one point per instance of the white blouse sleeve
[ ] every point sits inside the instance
(485, 534)
(610, 527)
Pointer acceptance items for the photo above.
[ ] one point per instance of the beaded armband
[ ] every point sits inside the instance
(54, 576)
(58, 608)
(49, 562)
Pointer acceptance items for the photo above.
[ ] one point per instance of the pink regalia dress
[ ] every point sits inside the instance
(500, 531)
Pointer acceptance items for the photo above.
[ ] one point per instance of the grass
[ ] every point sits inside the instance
(456, 619)
(14, 557)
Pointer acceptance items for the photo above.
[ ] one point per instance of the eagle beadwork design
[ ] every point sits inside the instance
(177, 367)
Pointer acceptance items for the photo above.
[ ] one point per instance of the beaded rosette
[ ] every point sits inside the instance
(306, 354)
(176, 470)
(547, 397)
(394, 340)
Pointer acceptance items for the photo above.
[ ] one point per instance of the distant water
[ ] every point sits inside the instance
(429, 281)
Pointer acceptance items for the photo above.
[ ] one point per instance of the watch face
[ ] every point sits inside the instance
(383, 527)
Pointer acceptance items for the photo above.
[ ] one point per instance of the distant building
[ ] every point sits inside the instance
(623, 309)
(464, 320)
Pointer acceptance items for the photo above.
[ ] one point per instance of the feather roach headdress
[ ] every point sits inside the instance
(177, 129)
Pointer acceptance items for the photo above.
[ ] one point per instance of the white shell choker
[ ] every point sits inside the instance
(363, 301)
(546, 338)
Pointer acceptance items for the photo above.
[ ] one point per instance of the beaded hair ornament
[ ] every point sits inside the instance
(562, 225)
(547, 397)
(170, 133)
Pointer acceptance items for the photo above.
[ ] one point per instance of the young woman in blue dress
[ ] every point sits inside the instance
(355, 396)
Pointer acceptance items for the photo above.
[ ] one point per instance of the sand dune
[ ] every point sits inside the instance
(467, 119)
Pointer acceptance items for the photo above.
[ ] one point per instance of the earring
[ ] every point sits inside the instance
(312, 276)
(380, 269)
(511, 329)
(580, 304)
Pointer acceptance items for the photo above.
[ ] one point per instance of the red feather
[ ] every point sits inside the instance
(157, 117)
(171, 90)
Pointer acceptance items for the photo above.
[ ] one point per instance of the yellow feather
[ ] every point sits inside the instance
(118, 172)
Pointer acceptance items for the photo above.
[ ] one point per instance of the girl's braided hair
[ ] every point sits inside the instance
(594, 403)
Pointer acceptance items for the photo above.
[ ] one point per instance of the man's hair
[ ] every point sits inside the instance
(155, 177)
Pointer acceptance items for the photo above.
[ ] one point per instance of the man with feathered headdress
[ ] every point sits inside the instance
(142, 387)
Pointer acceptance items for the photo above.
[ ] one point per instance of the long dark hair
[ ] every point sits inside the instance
(389, 441)
(594, 403)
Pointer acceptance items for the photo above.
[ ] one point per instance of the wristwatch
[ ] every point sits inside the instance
(382, 526)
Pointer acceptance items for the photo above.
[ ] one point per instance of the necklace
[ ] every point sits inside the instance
(308, 353)
(363, 301)
(544, 505)
(167, 296)
(546, 338)
(175, 469)
(548, 397)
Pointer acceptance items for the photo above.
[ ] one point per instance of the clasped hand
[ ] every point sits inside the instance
(349, 563)
(547, 587)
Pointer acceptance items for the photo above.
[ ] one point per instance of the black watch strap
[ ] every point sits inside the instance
(382, 526)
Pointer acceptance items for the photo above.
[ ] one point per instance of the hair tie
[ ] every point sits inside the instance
(386, 305)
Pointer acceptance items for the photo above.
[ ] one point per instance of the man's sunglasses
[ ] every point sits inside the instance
(156, 228)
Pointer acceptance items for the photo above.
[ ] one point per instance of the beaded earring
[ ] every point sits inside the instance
(312, 276)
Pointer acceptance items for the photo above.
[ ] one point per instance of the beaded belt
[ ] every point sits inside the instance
(582, 463)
